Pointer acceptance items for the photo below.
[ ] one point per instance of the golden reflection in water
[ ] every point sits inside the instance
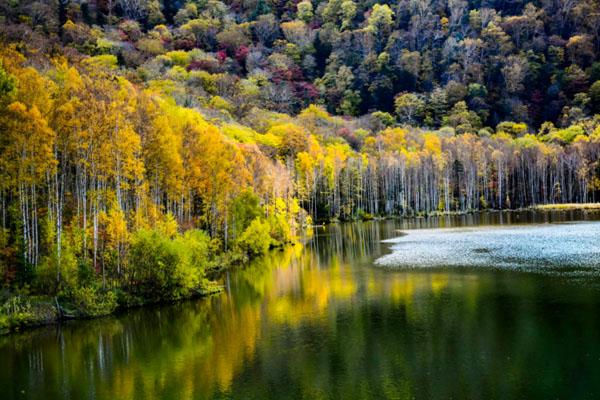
(216, 338)
(295, 289)
(321, 321)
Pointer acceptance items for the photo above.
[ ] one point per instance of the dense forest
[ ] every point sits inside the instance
(144, 141)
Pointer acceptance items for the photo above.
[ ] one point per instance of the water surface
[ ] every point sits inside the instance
(570, 248)
(326, 322)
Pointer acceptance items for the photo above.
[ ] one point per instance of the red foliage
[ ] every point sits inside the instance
(307, 90)
(279, 74)
(206, 65)
(221, 55)
(241, 53)
(349, 137)
(294, 73)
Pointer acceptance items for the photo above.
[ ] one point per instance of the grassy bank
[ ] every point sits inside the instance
(162, 269)
(567, 207)
(20, 311)
(540, 207)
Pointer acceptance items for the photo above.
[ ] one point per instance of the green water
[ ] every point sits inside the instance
(323, 322)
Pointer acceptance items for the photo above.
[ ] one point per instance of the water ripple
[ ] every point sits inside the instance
(566, 248)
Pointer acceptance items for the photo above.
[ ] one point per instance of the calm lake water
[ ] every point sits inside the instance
(490, 306)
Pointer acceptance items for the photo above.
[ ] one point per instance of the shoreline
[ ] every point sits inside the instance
(563, 207)
(34, 311)
(48, 311)
(567, 207)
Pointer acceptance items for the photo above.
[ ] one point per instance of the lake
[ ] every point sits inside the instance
(499, 305)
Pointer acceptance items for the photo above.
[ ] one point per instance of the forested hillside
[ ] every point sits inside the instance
(525, 61)
(144, 141)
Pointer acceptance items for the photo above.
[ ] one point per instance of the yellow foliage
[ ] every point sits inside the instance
(394, 139)
(220, 103)
(178, 57)
(106, 62)
(116, 225)
(432, 144)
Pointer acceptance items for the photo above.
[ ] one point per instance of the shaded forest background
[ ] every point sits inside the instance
(524, 61)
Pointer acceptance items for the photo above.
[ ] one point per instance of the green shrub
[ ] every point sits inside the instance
(15, 312)
(90, 301)
(244, 209)
(192, 249)
(163, 268)
(178, 57)
(256, 239)
(281, 232)
(102, 62)
(52, 267)
(365, 216)
(567, 135)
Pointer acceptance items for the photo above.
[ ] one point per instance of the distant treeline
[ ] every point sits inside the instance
(412, 172)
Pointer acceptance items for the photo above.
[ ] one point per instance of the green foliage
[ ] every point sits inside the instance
(381, 18)
(492, 56)
(409, 108)
(220, 104)
(15, 312)
(90, 301)
(256, 239)
(164, 268)
(279, 222)
(567, 135)
(105, 61)
(350, 103)
(512, 128)
(365, 216)
(56, 274)
(305, 10)
(595, 96)
(462, 119)
(58, 271)
(383, 118)
(245, 209)
(105, 46)
(7, 84)
(179, 58)
(133, 129)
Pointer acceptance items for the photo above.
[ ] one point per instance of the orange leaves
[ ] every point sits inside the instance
(214, 166)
